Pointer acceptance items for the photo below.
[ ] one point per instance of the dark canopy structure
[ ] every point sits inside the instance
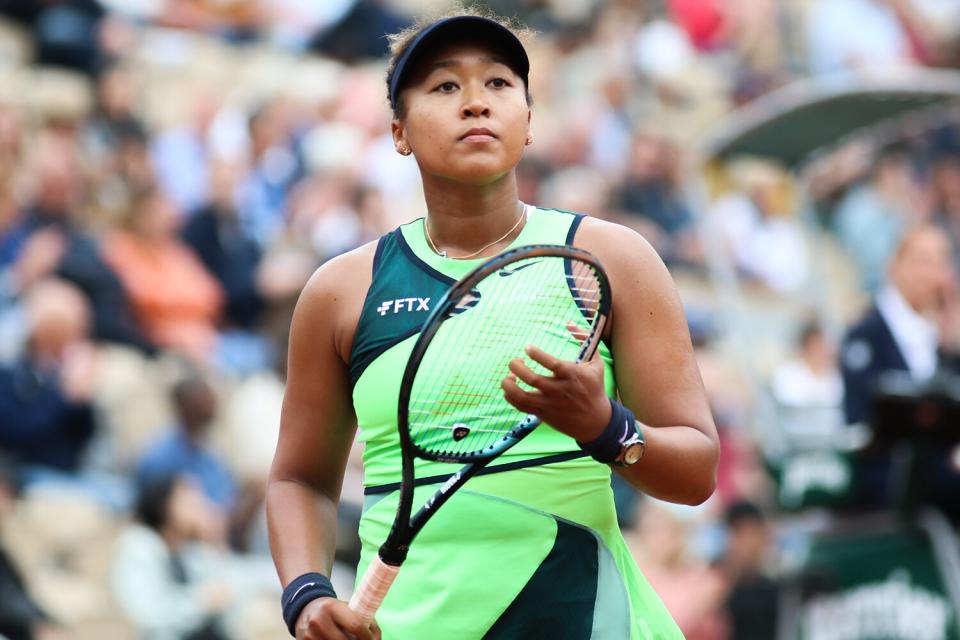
(798, 122)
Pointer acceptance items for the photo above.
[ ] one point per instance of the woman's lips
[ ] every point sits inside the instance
(477, 136)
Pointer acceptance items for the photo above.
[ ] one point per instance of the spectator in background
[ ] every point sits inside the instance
(752, 602)
(324, 210)
(871, 217)
(691, 590)
(124, 170)
(185, 450)
(46, 419)
(702, 20)
(176, 300)
(236, 20)
(181, 158)
(214, 232)
(760, 229)
(47, 241)
(21, 618)
(899, 336)
(900, 331)
(114, 143)
(164, 572)
(845, 35)
(115, 116)
(933, 27)
(755, 29)
(808, 389)
(275, 166)
(65, 31)
(359, 34)
(650, 198)
(611, 138)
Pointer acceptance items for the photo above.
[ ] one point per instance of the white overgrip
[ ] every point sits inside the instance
(373, 588)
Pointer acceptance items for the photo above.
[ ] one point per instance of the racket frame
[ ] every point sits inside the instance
(394, 550)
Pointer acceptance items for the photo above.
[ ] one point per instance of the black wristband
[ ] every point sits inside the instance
(606, 447)
(299, 593)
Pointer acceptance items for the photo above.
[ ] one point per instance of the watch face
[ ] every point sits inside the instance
(632, 453)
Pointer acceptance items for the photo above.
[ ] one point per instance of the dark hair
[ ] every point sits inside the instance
(890, 153)
(153, 499)
(741, 512)
(182, 389)
(402, 39)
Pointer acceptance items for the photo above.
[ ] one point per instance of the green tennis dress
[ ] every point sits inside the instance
(531, 549)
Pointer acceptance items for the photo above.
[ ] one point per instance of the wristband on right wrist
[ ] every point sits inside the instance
(606, 447)
(301, 591)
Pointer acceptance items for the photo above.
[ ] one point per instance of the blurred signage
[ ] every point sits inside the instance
(889, 585)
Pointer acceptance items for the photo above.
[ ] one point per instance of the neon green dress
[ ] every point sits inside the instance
(531, 550)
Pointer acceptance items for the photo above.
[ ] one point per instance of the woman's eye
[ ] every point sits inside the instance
(447, 87)
(499, 83)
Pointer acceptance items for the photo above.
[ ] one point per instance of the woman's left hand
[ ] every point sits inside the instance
(571, 400)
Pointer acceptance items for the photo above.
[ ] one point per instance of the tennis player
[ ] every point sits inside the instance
(533, 550)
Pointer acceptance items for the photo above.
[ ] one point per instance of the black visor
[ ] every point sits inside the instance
(457, 29)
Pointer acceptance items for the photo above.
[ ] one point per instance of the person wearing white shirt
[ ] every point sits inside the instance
(900, 334)
(808, 389)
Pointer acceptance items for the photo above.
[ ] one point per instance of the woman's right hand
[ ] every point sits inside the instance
(332, 619)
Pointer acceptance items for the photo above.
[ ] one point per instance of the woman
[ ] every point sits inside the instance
(176, 300)
(538, 552)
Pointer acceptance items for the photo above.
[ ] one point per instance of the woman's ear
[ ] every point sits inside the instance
(399, 138)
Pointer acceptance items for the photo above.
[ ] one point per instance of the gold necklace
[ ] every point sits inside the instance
(443, 254)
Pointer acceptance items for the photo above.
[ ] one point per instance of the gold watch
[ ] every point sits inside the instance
(632, 447)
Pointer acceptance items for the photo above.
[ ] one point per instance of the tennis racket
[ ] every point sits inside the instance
(451, 406)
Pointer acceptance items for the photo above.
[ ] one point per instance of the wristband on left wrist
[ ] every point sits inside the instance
(301, 591)
(621, 432)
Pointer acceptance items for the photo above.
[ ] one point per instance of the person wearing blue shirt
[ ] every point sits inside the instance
(184, 449)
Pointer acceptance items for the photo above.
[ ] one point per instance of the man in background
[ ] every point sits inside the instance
(902, 329)
(46, 417)
(902, 337)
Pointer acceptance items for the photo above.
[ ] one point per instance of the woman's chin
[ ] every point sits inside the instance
(475, 174)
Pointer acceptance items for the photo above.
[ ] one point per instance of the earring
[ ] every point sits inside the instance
(403, 150)
(529, 140)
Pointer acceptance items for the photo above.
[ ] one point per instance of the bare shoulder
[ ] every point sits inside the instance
(343, 272)
(630, 260)
(333, 296)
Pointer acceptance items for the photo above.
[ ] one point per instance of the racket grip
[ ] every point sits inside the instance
(373, 588)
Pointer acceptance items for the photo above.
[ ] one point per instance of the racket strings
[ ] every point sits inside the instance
(457, 406)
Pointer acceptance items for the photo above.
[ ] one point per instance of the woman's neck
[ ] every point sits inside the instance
(463, 218)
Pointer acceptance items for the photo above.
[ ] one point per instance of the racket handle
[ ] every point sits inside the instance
(373, 588)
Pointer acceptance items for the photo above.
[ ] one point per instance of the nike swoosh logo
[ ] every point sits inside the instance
(509, 272)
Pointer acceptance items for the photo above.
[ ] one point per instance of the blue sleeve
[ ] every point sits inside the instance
(38, 422)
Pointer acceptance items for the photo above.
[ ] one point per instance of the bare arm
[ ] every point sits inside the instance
(655, 368)
(317, 426)
(316, 430)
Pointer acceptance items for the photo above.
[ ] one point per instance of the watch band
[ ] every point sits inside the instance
(609, 445)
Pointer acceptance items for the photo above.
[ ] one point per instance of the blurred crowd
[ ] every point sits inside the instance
(172, 171)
